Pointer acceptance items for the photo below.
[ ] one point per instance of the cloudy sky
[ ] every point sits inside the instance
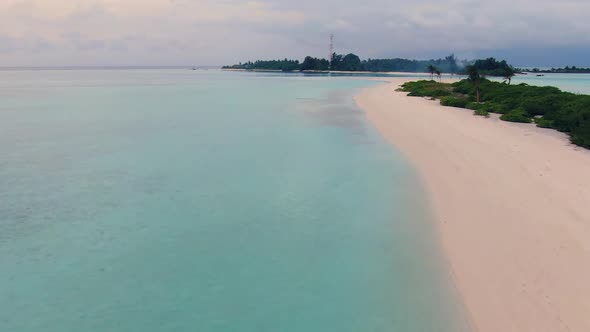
(208, 32)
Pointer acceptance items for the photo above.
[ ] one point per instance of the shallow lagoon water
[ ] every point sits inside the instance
(576, 83)
(176, 200)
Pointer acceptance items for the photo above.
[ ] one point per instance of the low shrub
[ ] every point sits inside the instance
(427, 88)
(440, 93)
(418, 93)
(477, 106)
(498, 108)
(464, 87)
(517, 115)
(481, 112)
(544, 123)
(581, 135)
(454, 101)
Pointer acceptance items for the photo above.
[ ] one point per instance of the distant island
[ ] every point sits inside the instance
(548, 107)
(566, 70)
(352, 62)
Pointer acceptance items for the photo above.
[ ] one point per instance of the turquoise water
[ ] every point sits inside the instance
(577, 83)
(173, 200)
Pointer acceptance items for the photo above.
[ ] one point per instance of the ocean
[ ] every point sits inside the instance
(576, 83)
(178, 200)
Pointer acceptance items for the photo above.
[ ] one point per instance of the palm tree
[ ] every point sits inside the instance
(509, 73)
(439, 74)
(431, 69)
(475, 78)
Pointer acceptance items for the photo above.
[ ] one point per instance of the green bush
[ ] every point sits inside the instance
(544, 123)
(481, 112)
(418, 93)
(474, 106)
(497, 108)
(440, 93)
(454, 101)
(426, 89)
(518, 115)
(480, 106)
(581, 135)
(463, 87)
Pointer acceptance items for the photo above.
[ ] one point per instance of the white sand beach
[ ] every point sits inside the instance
(512, 206)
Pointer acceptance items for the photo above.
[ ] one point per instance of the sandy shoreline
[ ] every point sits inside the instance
(512, 206)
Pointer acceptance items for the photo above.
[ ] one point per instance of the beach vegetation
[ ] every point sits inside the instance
(481, 112)
(475, 106)
(440, 93)
(544, 123)
(448, 64)
(429, 89)
(490, 67)
(581, 135)
(509, 73)
(352, 62)
(274, 65)
(475, 77)
(431, 69)
(517, 115)
(454, 101)
(349, 62)
(565, 70)
(314, 64)
(548, 107)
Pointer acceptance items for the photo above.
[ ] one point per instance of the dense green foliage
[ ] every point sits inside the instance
(517, 115)
(454, 101)
(492, 67)
(315, 64)
(566, 70)
(478, 109)
(349, 62)
(427, 88)
(474, 77)
(449, 64)
(547, 106)
(280, 65)
(352, 62)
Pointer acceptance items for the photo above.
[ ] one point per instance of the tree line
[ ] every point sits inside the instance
(352, 62)
(339, 62)
(565, 70)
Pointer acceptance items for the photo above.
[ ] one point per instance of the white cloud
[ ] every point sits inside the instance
(65, 32)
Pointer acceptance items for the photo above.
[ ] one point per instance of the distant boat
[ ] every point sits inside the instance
(194, 68)
(540, 75)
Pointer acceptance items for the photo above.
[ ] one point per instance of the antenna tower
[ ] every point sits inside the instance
(331, 47)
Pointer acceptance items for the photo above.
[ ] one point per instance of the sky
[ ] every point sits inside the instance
(208, 32)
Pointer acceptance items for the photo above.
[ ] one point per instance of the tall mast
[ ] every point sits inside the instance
(331, 47)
